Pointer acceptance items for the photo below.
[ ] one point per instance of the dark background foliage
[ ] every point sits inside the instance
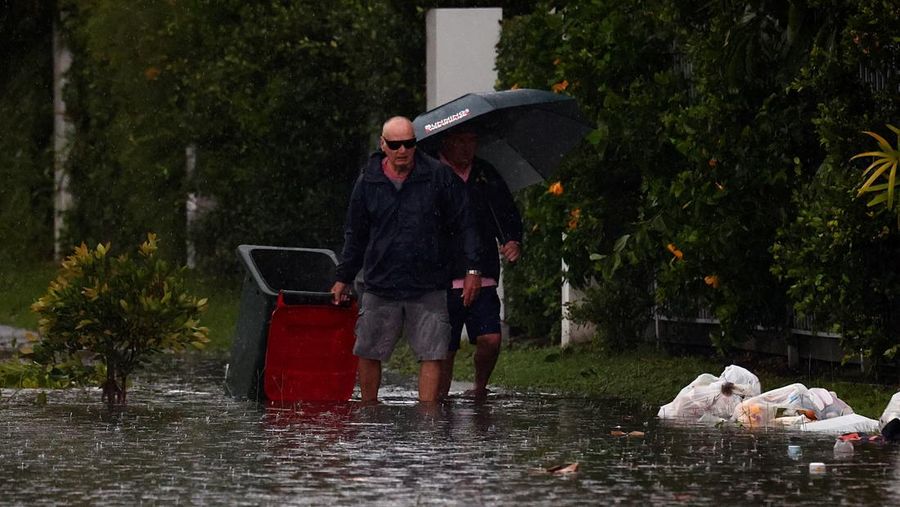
(724, 133)
(26, 124)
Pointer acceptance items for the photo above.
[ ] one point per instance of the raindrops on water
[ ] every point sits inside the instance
(181, 439)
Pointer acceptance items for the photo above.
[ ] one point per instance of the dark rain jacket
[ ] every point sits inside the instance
(496, 216)
(401, 238)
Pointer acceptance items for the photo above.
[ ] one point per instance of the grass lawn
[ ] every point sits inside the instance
(21, 286)
(645, 374)
(221, 317)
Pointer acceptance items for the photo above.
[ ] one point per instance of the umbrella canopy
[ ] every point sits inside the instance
(523, 133)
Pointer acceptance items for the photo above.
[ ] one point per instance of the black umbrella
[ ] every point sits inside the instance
(523, 133)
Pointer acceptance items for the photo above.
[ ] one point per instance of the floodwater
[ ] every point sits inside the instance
(180, 441)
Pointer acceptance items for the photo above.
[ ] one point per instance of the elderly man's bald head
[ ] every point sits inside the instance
(397, 127)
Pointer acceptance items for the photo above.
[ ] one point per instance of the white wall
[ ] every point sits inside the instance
(461, 51)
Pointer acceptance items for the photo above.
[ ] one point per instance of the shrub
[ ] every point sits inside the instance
(118, 310)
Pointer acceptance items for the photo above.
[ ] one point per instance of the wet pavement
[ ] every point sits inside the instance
(181, 441)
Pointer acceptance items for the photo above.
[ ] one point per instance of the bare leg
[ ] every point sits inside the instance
(487, 351)
(369, 379)
(446, 374)
(429, 380)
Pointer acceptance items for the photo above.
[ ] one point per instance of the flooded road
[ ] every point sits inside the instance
(181, 441)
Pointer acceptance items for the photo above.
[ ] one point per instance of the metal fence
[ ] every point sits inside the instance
(807, 341)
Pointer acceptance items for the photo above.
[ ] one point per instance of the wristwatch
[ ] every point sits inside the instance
(473, 272)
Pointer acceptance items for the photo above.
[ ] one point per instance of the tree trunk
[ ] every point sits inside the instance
(112, 393)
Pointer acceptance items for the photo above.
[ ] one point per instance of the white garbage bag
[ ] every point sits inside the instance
(744, 381)
(890, 419)
(851, 423)
(709, 395)
(763, 410)
(685, 401)
(791, 405)
(891, 411)
(827, 404)
(716, 399)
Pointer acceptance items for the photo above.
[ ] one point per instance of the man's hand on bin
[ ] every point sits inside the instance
(340, 293)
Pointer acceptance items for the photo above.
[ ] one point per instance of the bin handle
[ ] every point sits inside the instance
(298, 297)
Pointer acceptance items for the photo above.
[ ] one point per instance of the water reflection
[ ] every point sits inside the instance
(181, 440)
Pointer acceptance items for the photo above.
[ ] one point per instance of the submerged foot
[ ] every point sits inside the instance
(477, 394)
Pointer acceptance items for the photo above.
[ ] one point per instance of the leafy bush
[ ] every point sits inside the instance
(23, 372)
(119, 310)
(712, 119)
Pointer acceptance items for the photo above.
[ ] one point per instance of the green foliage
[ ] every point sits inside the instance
(279, 100)
(724, 129)
(612, 57)
(623, 304)
(19, 372)
(26, 123)
(839, 260)
(712, 121)
(534, 304)
(119, 310)
(836, 255)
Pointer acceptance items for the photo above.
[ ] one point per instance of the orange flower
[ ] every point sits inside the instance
(712, 281)
(574, 217)
(556, 189)
(675, 251)
(713, 163)
(560, 86)
(151, 73)
(557, 61)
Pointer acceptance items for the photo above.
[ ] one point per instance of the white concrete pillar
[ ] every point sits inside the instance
(461, 48)
(63, 130)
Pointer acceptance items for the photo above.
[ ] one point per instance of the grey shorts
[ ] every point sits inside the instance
(424, 322)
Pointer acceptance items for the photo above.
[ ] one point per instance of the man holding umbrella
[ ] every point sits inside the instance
(499, 224)
(524, 134)
(403, 207)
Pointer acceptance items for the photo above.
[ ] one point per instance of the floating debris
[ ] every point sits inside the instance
(630, 434)
(569, 468)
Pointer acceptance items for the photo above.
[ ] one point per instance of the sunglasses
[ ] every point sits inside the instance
(406, 143)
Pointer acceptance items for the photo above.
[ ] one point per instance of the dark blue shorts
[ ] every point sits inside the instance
(482, 318)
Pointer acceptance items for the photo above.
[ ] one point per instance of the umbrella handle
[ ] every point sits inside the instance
(496, 222)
